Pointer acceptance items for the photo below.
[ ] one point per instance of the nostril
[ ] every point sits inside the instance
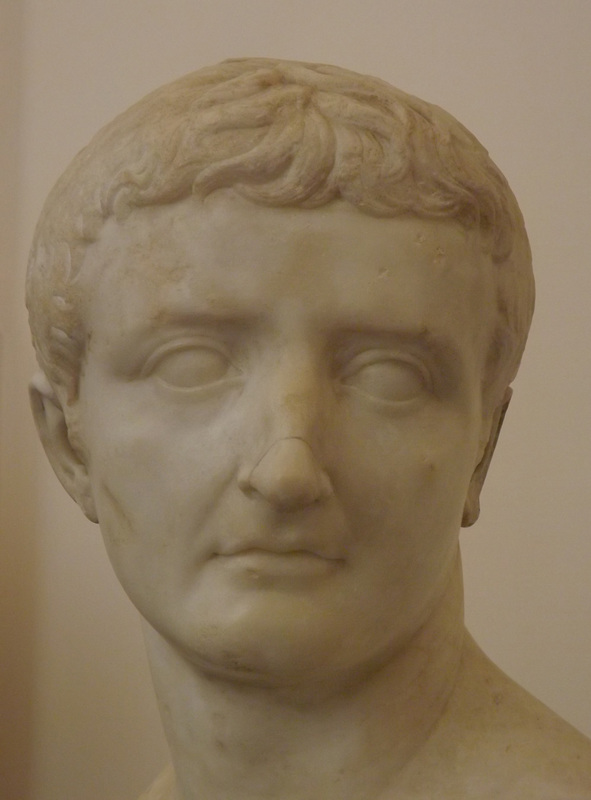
(288, 476)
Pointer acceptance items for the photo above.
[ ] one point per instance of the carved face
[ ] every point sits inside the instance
(281, 412)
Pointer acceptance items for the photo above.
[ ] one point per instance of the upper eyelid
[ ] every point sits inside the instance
(425, 347)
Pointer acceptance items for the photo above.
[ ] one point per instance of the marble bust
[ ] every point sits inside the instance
(277, 309)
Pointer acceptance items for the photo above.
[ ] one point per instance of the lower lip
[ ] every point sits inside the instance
(264, 563)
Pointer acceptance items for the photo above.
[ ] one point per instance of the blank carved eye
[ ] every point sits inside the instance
(390, 379)
(192, 367)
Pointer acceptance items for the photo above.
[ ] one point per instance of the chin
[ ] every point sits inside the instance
(286, 645)
(267, 648)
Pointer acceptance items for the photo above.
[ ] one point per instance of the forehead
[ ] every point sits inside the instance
(228, 257)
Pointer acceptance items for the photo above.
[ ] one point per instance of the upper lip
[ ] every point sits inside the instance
(280, 545)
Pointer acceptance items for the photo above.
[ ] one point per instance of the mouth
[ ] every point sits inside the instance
(288, 541)
(279, 561)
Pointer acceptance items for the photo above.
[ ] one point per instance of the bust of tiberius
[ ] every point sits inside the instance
(277, 309)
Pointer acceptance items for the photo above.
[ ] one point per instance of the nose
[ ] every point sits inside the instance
(288, 476)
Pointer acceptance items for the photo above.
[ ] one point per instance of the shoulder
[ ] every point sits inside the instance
(163, 787)
(535, 754)
(495, 741)
(546, 759)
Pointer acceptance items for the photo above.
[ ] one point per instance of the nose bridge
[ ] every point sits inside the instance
(294, 407)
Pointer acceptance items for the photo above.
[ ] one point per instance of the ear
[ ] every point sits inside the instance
(65, 459)
(472, 504)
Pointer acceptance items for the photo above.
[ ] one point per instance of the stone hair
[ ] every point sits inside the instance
(281, 134)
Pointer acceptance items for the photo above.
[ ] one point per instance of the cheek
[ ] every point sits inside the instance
(140, 443)
(410, 481)
(149, 515)
(132, 482)
(155, 480)
(442, 480)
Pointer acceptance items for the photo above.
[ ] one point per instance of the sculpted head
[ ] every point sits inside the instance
(275, 296)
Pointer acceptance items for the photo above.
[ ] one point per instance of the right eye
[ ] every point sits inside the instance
(191, 367)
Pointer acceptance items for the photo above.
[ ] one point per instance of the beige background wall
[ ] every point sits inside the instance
(78, 719)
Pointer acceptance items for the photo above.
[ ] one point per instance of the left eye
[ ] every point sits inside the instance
(390, 379)
(192, 367)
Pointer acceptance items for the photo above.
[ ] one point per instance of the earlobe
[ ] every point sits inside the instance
(472, 504)
(66, 461)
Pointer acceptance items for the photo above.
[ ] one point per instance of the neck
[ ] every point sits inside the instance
(234, 740)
